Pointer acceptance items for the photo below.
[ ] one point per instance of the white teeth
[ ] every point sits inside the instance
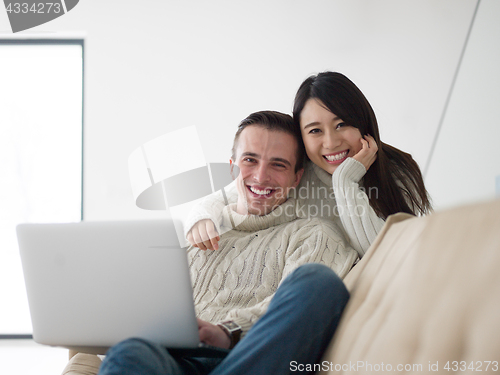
(336, 156)
(260, 192)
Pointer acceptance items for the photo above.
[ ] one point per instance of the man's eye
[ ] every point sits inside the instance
(249, 160)
(279, 165)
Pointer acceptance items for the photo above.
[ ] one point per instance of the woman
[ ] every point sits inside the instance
(351, 176)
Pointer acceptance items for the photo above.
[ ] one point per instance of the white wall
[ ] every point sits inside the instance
(466, 164)
(156, 66)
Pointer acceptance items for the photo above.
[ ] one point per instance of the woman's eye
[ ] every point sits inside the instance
(314, 131)
(341, 125)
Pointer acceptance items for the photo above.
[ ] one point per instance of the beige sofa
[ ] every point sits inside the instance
(424, 299)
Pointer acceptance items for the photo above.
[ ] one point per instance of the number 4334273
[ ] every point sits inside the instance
(33, 8)
(471, 366)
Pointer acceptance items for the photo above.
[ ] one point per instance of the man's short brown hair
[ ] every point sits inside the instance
(273, 121)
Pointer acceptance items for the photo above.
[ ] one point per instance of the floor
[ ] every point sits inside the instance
(25, 357)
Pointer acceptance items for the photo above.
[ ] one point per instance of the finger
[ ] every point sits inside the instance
(210, 228)
(215, 243)
(367, 139)
(208, 245)
(372, 142)
(364, 143)
(190, 239)
(194, 244)
(198, 241)
(213, 235)
(205, 238)
(204, 335)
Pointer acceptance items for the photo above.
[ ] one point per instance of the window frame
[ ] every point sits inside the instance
(54, 41)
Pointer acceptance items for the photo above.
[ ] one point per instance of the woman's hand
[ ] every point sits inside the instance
(204, 236)
(368, 153)
(213, 335)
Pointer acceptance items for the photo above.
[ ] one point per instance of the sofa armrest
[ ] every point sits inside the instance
(82, 364)
(425, 294)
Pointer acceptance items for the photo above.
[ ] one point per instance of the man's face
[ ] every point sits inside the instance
(266, 160)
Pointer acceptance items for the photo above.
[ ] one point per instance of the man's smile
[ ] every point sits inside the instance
(260, 191)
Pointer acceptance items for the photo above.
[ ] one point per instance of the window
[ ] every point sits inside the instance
(41, 117)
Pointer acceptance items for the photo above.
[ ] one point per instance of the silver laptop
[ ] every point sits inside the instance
(91, 285)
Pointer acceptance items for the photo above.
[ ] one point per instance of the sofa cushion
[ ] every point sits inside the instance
(82, 364)
(427, 293)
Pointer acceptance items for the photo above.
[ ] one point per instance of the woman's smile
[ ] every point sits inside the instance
(336, 158)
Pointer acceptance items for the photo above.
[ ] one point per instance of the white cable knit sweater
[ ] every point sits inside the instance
(238, 281)
(339, 197)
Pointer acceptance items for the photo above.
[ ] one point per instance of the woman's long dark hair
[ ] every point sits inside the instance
(394, 176)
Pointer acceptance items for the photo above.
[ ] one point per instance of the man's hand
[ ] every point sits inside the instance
(204, 236)
(368, 153)
(211, 334)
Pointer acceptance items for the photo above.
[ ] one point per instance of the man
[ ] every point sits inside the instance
(236, 288)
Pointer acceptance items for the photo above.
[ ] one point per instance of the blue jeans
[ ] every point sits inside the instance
(296, 329)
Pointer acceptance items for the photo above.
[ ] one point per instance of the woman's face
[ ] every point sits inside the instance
(327, 139)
